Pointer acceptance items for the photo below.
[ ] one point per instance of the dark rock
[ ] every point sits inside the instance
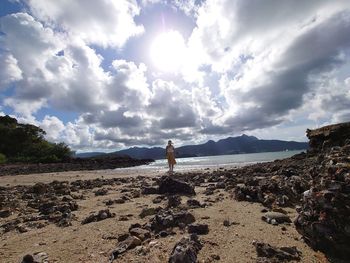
(209, 191)
(101, 215)
(28, 259)
(282, 254)
(169, 185)
(158, 199)
(199, 229)
(193, 203)
(5, 213)
(129, 243)
(102, 191)
(150, 190)
(122, 237)
(39, 188)
(39, 257)
(186, 250)
(149, 211)
(140, 233)
(168, 219)
(173, 201)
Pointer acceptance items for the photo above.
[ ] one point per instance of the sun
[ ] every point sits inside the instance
(168, 51)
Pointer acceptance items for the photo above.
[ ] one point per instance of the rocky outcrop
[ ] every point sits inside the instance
(324, 211)
(328, 136)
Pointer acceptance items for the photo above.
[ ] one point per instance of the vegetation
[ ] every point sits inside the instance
(26, 143)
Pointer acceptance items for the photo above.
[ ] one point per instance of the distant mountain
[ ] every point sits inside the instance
(230, 145)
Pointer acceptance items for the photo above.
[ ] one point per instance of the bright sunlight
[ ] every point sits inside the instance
(168, 51)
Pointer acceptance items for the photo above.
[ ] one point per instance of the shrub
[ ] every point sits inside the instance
(3, 158)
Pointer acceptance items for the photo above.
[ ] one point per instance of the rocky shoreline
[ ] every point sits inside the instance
(190, 217)
(74, 164)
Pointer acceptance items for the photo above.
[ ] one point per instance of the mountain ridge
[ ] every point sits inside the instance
(230, 145)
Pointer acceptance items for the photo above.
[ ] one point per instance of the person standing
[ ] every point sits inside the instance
(170, 155)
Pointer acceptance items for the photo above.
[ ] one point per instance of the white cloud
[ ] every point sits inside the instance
(53, 128)
(245, 67)
(105, 23)
(9, 70)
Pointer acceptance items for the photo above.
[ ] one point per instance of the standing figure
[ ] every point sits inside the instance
(170, 155)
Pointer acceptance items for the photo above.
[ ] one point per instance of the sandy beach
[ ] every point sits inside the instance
(94, 242)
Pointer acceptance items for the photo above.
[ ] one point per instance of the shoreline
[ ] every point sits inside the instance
(238, 208)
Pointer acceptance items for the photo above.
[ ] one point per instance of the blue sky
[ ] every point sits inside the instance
(106, 75)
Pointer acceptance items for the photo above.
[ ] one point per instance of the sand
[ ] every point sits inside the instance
(92, 242)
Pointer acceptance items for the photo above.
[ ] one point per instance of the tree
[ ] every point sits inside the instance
(26, 143)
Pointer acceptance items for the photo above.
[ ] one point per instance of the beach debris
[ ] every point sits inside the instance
(169, 185)
(265, 250)
(186, 250)
(199, 229)
(100, 215)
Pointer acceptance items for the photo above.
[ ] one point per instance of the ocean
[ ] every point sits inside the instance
(217, 161)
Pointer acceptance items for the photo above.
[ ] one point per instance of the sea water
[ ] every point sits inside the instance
(217, 161)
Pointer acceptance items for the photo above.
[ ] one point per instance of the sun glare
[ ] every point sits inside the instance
(167, 51)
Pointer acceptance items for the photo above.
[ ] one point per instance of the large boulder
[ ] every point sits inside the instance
(169, 185)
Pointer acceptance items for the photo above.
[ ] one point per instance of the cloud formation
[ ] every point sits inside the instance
(248, 66)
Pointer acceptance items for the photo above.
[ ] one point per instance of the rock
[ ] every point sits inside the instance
(209, 191)
(149, 211)
(122, 237)
(173, 201)
(215, 257)
(28, 259)
(5, 213)
(186, 250)
(102, 191)
(129, 243)
(101, 215)
(193, 203)
(168, 219)
(140, 233)
(199, 229)
(281, 254)
(149, 190)
(276, 218)
(158, 199)
(39, 188)
(169, 185)
(38, 257)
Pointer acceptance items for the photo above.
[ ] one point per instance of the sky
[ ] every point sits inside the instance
(111, 74)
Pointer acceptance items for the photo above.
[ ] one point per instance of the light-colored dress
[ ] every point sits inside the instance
(170, 154)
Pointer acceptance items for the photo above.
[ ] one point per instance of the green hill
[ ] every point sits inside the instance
(26, 143)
